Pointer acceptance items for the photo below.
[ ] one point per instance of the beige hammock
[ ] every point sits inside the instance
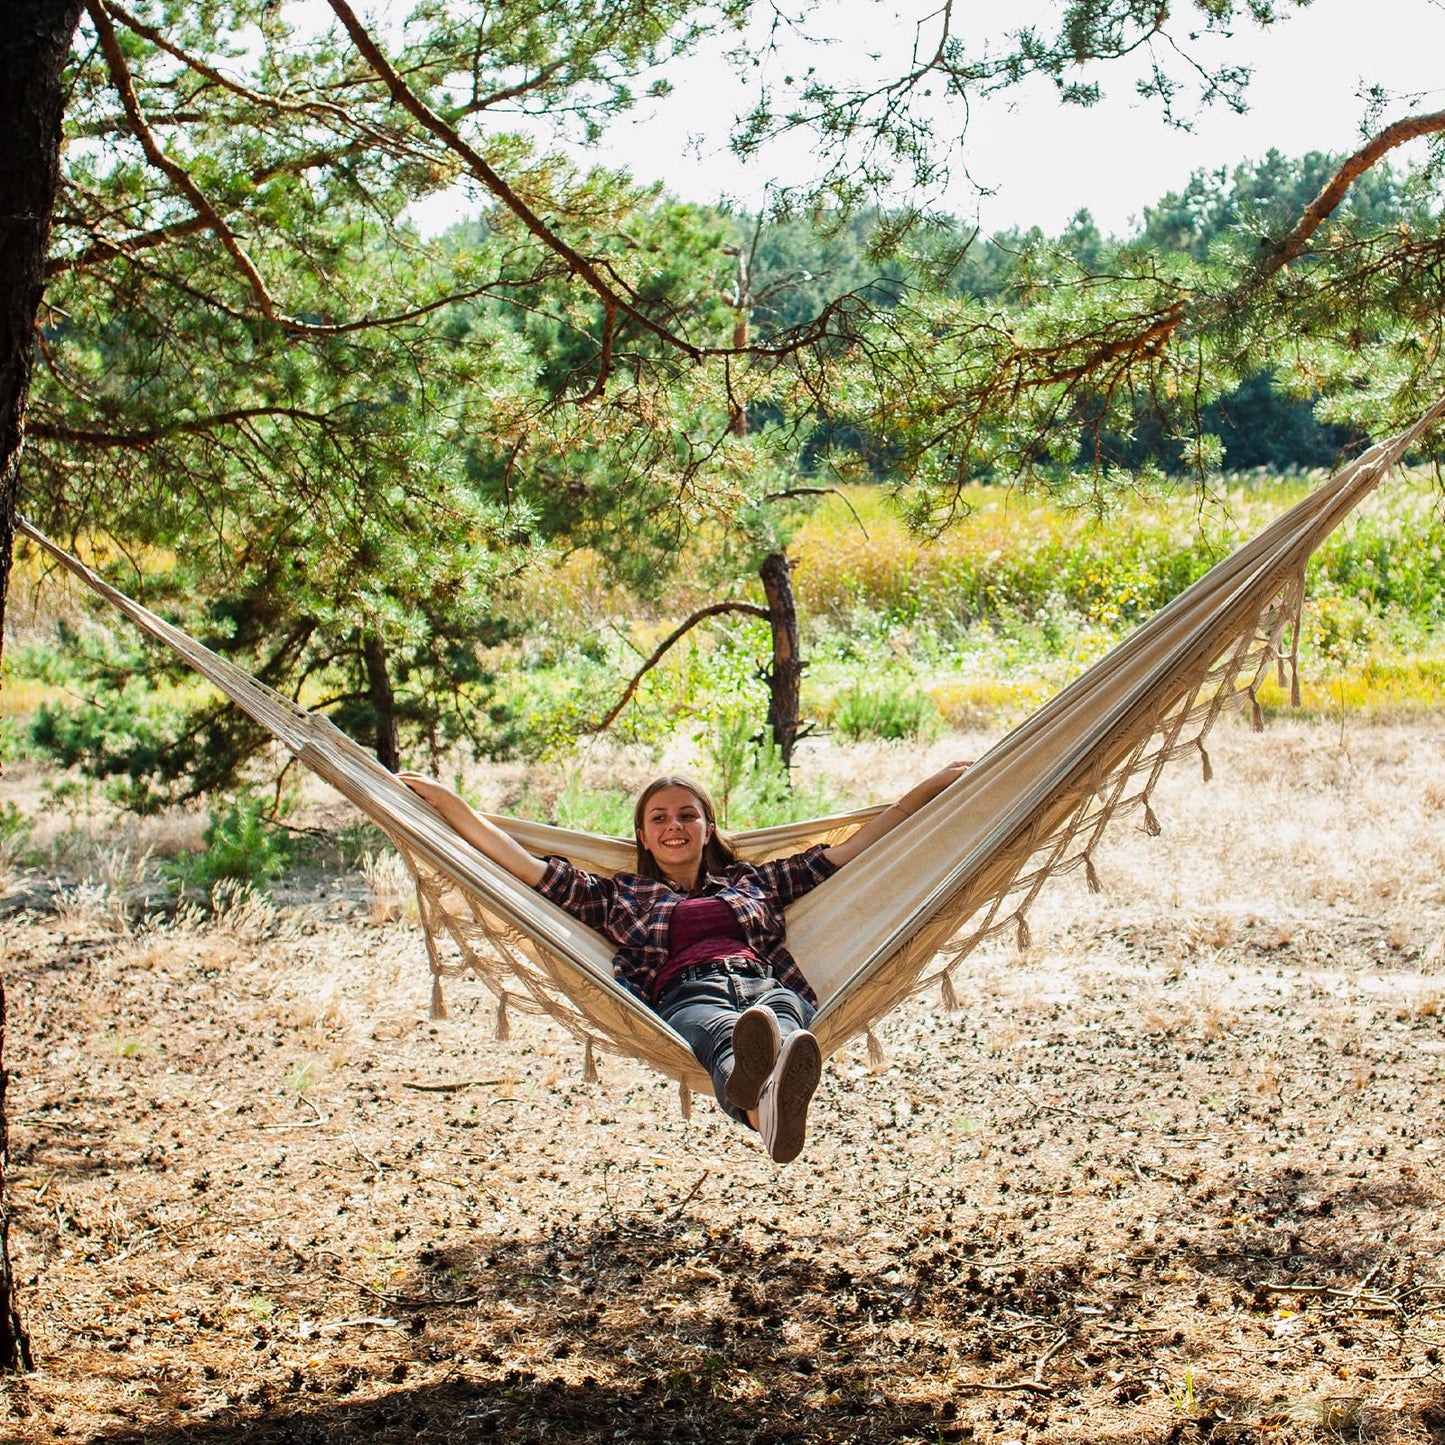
(907, 912)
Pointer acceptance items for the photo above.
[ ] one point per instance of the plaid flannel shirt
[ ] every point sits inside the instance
(635, 912)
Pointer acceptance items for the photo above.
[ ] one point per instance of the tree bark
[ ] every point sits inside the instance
(786, 672)
(37, 40)
(14, 1342)
(383, 701)
(32, 60)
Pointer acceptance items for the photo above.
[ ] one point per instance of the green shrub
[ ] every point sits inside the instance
(765, 796)
(594, 810)
(15, 830)
(242, 845)
(888, 713)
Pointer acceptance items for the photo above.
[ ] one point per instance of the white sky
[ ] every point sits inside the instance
(1045, 161)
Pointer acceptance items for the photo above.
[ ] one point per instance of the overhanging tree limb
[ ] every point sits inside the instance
(1319, 209)
(177, 174)
(148, 436)
(413, 104)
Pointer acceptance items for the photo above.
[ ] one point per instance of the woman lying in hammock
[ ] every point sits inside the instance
(700, 937)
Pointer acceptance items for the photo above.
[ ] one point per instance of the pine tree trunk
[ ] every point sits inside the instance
(383, 701)
(14, 1342)
(786, 671)
(32, 60)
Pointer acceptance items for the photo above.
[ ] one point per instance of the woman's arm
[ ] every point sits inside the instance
(894, 814)
(480, 832)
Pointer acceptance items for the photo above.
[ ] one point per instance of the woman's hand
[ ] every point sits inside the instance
(427, 789)
(480, 832)
(886, 821)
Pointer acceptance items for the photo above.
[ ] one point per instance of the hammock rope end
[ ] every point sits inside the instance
(438, 1009)
(946, 993)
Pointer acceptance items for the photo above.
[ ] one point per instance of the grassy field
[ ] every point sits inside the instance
(905, 635)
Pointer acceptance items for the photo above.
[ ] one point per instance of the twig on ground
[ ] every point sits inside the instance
(315, 1108)
(361, 1154)
(1048, 1355)
(1154, 1169)
(691, 1195)
(1355, 1296)
(1032, 1386)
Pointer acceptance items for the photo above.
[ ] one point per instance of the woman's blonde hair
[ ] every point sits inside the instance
(717, 852)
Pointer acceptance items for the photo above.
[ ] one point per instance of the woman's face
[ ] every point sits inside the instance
(675, 831)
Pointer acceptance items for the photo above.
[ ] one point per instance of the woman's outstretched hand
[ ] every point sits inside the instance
(884, 822)
(480, 832)
(427, 789)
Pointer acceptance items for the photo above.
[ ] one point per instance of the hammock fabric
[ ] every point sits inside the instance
(906, 913)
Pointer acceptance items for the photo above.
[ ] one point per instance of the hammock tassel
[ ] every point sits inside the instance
(876, 1057)
(946, 995)
(684, 1100)
(504, 1022)
(1151, 823)
(589, 1063)
(1208, 766)
(438, 1008)
(1256, 713)
(1092, 874)
(1023, 937)
(1294, 687)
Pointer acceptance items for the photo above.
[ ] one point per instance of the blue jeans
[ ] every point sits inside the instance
(703, 1010)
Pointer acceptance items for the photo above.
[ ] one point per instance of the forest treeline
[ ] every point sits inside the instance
(350, 518)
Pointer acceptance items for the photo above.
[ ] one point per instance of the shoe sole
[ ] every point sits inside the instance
(756, 1043)
(794, 1082)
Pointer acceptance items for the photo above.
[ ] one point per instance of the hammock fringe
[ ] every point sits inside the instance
(876, 1057)
(947, 997)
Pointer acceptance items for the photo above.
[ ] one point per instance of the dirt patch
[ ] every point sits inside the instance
(1174, 1174)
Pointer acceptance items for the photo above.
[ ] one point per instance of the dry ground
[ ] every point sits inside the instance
(1175, 1174)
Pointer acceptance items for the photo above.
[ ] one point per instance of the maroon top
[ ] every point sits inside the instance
(702, 929)
(636, 912)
